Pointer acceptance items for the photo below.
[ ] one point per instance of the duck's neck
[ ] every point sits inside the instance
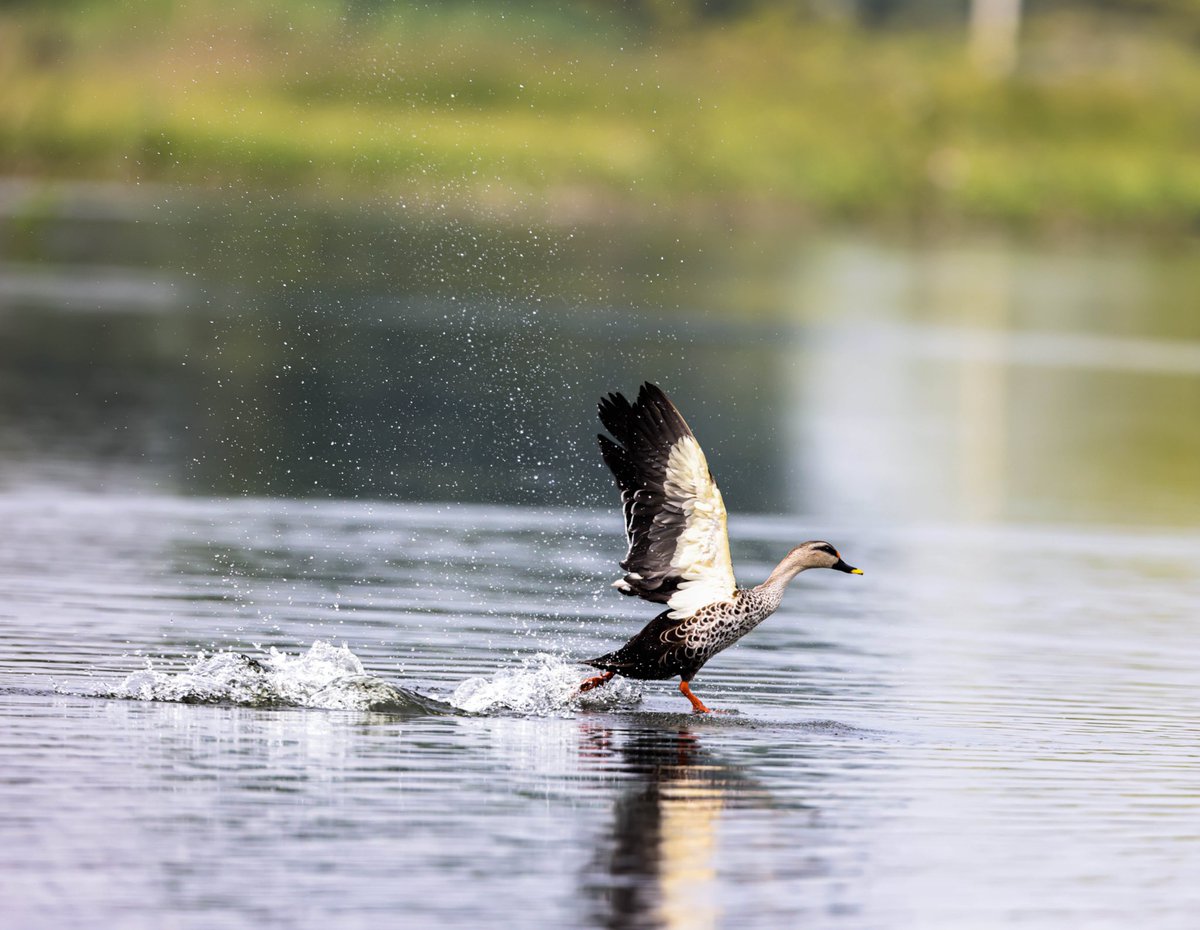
(771, 590)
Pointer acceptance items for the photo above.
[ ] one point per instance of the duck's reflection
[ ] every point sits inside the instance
(658, 866)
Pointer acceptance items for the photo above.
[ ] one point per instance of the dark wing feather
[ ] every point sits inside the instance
(674, 517)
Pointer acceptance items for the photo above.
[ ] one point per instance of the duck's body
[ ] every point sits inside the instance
(679, 549)
(668, 646)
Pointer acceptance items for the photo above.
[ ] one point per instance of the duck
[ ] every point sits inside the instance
(678, 555)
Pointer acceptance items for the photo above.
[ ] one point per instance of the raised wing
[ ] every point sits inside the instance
(674, 516)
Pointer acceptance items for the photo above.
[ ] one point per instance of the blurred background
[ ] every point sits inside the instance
(895, 259)
(305, 308)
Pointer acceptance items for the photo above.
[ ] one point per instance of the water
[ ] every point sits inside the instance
(340, 695)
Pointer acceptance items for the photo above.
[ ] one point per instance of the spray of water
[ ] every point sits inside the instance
(325, 676)
(542, 685)
(333, 678)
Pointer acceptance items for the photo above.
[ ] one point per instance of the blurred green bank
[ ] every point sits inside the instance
(743, 110)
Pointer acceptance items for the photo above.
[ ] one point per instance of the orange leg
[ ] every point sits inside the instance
(596, 682)
(697, 704)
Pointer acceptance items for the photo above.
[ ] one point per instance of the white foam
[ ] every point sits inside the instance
(326, 676)
(333, 678)
(543, 685)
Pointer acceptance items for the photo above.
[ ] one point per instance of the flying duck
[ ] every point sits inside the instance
(679, 548)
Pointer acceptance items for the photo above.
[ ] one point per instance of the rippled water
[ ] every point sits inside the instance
(302, 531)
(987, 729)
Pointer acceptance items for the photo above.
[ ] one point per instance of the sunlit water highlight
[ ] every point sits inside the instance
(330, 712)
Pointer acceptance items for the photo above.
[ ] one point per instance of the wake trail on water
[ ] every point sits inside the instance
(333, 678)
(326, 676)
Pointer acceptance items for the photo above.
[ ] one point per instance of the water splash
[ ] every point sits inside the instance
(543, 685)
(327, 676)
(333, 678)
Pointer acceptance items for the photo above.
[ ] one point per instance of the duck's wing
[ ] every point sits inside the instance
(674, 515)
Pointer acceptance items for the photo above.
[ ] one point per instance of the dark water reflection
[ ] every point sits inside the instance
(270, 350)
(658, 865)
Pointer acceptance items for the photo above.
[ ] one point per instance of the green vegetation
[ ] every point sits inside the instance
(580, 111)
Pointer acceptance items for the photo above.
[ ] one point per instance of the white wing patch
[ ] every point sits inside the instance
(702, 550)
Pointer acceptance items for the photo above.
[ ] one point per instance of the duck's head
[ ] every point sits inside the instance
(817, 553)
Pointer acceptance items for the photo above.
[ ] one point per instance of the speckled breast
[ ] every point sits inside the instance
(718, 626)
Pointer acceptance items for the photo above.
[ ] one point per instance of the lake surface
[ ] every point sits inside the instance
(303, 528)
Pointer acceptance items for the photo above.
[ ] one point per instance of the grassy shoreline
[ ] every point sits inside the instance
(761, 118)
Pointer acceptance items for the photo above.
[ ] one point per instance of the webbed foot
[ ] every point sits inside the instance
(595, 682)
